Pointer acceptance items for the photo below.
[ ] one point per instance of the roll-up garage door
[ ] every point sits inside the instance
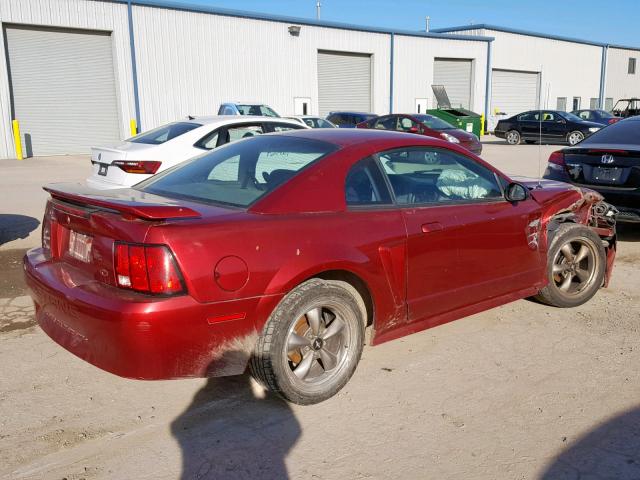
(63, 89)
(513, 92)
(455, 75)
(344, 82)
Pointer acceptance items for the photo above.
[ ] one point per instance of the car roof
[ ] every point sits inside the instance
(350, 112)
(222, 119)
(345, 137)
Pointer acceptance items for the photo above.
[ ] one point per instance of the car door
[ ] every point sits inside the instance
(466, 243)
(529, 125)
(554, 127)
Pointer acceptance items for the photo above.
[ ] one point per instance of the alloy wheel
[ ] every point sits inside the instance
(575, 137)
(574, 266)
(317, 345)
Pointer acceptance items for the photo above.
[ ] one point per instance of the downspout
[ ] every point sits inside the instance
(603, 75)
(391, 74)
(487, 87)
(134, 70)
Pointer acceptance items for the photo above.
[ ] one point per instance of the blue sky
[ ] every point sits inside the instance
(613, 21)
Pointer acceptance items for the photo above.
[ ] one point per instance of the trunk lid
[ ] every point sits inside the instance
(81, 226)
(102, 158)
(604, 165)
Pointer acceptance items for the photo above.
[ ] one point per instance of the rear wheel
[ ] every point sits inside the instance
(575, 267)
(312, 342)
(575, 137)
(513, 137)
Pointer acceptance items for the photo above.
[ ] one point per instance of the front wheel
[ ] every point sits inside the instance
(513, 137)
(575, 137)
(312, 342)
(575, 267)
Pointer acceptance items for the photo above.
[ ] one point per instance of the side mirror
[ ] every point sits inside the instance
(516, 192)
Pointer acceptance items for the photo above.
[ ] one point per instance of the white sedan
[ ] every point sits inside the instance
(151, 152)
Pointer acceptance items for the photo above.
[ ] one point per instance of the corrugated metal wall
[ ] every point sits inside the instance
(621, 84)
(188, 63)
(83, 14)
(414, 69)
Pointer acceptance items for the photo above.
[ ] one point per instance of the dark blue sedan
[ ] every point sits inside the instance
(598, 116)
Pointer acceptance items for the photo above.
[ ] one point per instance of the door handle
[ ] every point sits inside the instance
(431, 227)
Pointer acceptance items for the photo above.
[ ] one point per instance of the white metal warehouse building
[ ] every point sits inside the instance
(562, 73)
(76, 72)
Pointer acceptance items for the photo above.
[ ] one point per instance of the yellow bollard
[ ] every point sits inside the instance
(133, 127)
(17, 140)
(481, 125)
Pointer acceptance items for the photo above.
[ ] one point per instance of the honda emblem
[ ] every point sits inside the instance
(607, 158)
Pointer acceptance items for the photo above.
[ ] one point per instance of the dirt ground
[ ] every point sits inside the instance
(523, 391)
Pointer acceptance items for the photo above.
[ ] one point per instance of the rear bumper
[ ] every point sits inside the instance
(499, 133)
(138, 336)
(626, 201)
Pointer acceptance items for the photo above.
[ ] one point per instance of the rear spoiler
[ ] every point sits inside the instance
(135, 203)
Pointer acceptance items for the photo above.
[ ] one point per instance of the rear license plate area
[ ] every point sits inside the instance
(80, 246)
(102, 169)
(607, 175)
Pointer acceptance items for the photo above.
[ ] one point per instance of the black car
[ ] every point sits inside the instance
(599, 116)
(349, 119)
(554, 127)
(607, 162)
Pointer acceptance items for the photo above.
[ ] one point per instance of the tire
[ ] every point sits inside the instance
(301, 339)
(575, 137)
(513, 137)
(567, 286)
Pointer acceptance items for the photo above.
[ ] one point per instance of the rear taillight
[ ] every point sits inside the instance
(147, 167)
(557, 158)
(148, 269)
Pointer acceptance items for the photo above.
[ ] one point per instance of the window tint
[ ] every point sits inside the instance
(261, 110)
(210, 141)
(405, 124)
(529, 116)
(240, 173)
(337, 119)
(434, 123)
(282, 127)
(243, 131)
(624, 132)
(386, 123)
(165, 133)
(428, 175)
(365, 185)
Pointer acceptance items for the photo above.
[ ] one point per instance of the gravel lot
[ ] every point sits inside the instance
(522, 391)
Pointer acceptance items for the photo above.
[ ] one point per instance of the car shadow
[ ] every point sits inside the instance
(233, 429)
(628, 232)
(610, 451)
(13, 227)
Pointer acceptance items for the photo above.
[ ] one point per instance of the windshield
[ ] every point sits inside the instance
(605, 114)
(626, 132)
(165, 133)
(260, 110)
(240, 173)
(434, 122)
(318, 123)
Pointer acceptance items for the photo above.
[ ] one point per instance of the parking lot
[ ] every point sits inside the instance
(523, 391)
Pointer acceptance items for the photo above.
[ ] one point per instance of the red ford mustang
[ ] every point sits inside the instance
(280, 251)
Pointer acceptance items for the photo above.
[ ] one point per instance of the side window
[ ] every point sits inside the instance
(405, 124)
(529, 116)
(429, 175)
(549, 117)
(242, 131)
(228, 111)
(275, 168)
(209, 141)
(281, 127)
(385, 123)
(365, 185)
(337, 119)
(585, 115)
